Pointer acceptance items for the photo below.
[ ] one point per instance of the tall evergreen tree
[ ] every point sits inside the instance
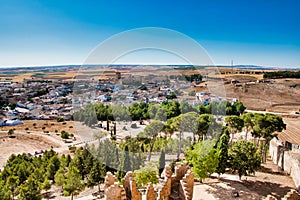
(162, 161)
(73, 184)
(222, 147)
(5, 192)
(96, 175)
(30, 190)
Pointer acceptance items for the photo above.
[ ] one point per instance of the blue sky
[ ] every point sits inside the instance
(53, 32)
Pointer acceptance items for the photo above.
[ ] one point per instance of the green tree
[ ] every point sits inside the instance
(187, 122)
(152, 131)
(145, 175)
(161, 114)
(96, 175)
(10, 133)
(12, 184)
(52, 167)
(223, 147)
(203, 158)
(5, 192)
(204, 120)
(153, 108)
(126, 163)
(73, 184)
(244, 158)
(235, 124)
(265, 126)
(108, 154)
(248, 122)
(46, 185)
(239, 108)
(120, 113)
(162, 161)
(30, 190)
(59, 177)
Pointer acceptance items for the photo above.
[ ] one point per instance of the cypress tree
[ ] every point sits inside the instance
(162, 161)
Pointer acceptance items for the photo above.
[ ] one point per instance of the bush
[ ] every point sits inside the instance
(64, 123)
(145, 175)
(64, 135)
(72, 148)
(10, 133)
(26, 129)
(70, 126)
(133, 125)
(34, 124)
(192, 93)
(60, 119)
(56, 131)
(43, 128)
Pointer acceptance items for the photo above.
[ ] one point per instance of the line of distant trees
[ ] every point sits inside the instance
(282, 74)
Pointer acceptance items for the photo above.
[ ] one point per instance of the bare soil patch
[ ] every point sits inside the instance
(269, 180)
(26, 143)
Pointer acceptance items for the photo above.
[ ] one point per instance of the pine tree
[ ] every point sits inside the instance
(5, 192)
(96, 175)
(59, 177)
(30, 190)
(73, 184)
(46, 185)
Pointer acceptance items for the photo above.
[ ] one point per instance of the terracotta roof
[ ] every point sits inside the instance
(292, 132)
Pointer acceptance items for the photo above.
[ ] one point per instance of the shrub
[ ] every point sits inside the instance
(10, 133)
(133, 125)
(64, 123)
(70, 126)
(64, 135)
(145, 175)
(60, 119)
(26, 129)
(72, 148)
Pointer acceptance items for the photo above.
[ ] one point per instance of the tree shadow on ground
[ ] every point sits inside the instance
(247, 189)
(279, 171)
(49, 195)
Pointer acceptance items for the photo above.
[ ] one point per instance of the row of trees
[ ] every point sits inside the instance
(261, 126)
(166, 110)
(282, 74)
(207, 157)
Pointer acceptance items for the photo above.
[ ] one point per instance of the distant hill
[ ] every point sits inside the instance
(120, 66)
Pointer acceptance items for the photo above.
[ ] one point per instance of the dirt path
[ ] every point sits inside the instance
(269, 180)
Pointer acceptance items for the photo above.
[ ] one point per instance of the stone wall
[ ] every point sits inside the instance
(179, 185)
(292, 195)
(286, 160)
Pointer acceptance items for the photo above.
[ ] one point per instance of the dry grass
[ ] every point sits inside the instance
(50, 125)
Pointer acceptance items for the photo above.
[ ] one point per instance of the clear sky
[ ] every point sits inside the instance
(53, 32)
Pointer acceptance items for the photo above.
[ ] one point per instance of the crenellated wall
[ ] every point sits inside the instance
(171, 186)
